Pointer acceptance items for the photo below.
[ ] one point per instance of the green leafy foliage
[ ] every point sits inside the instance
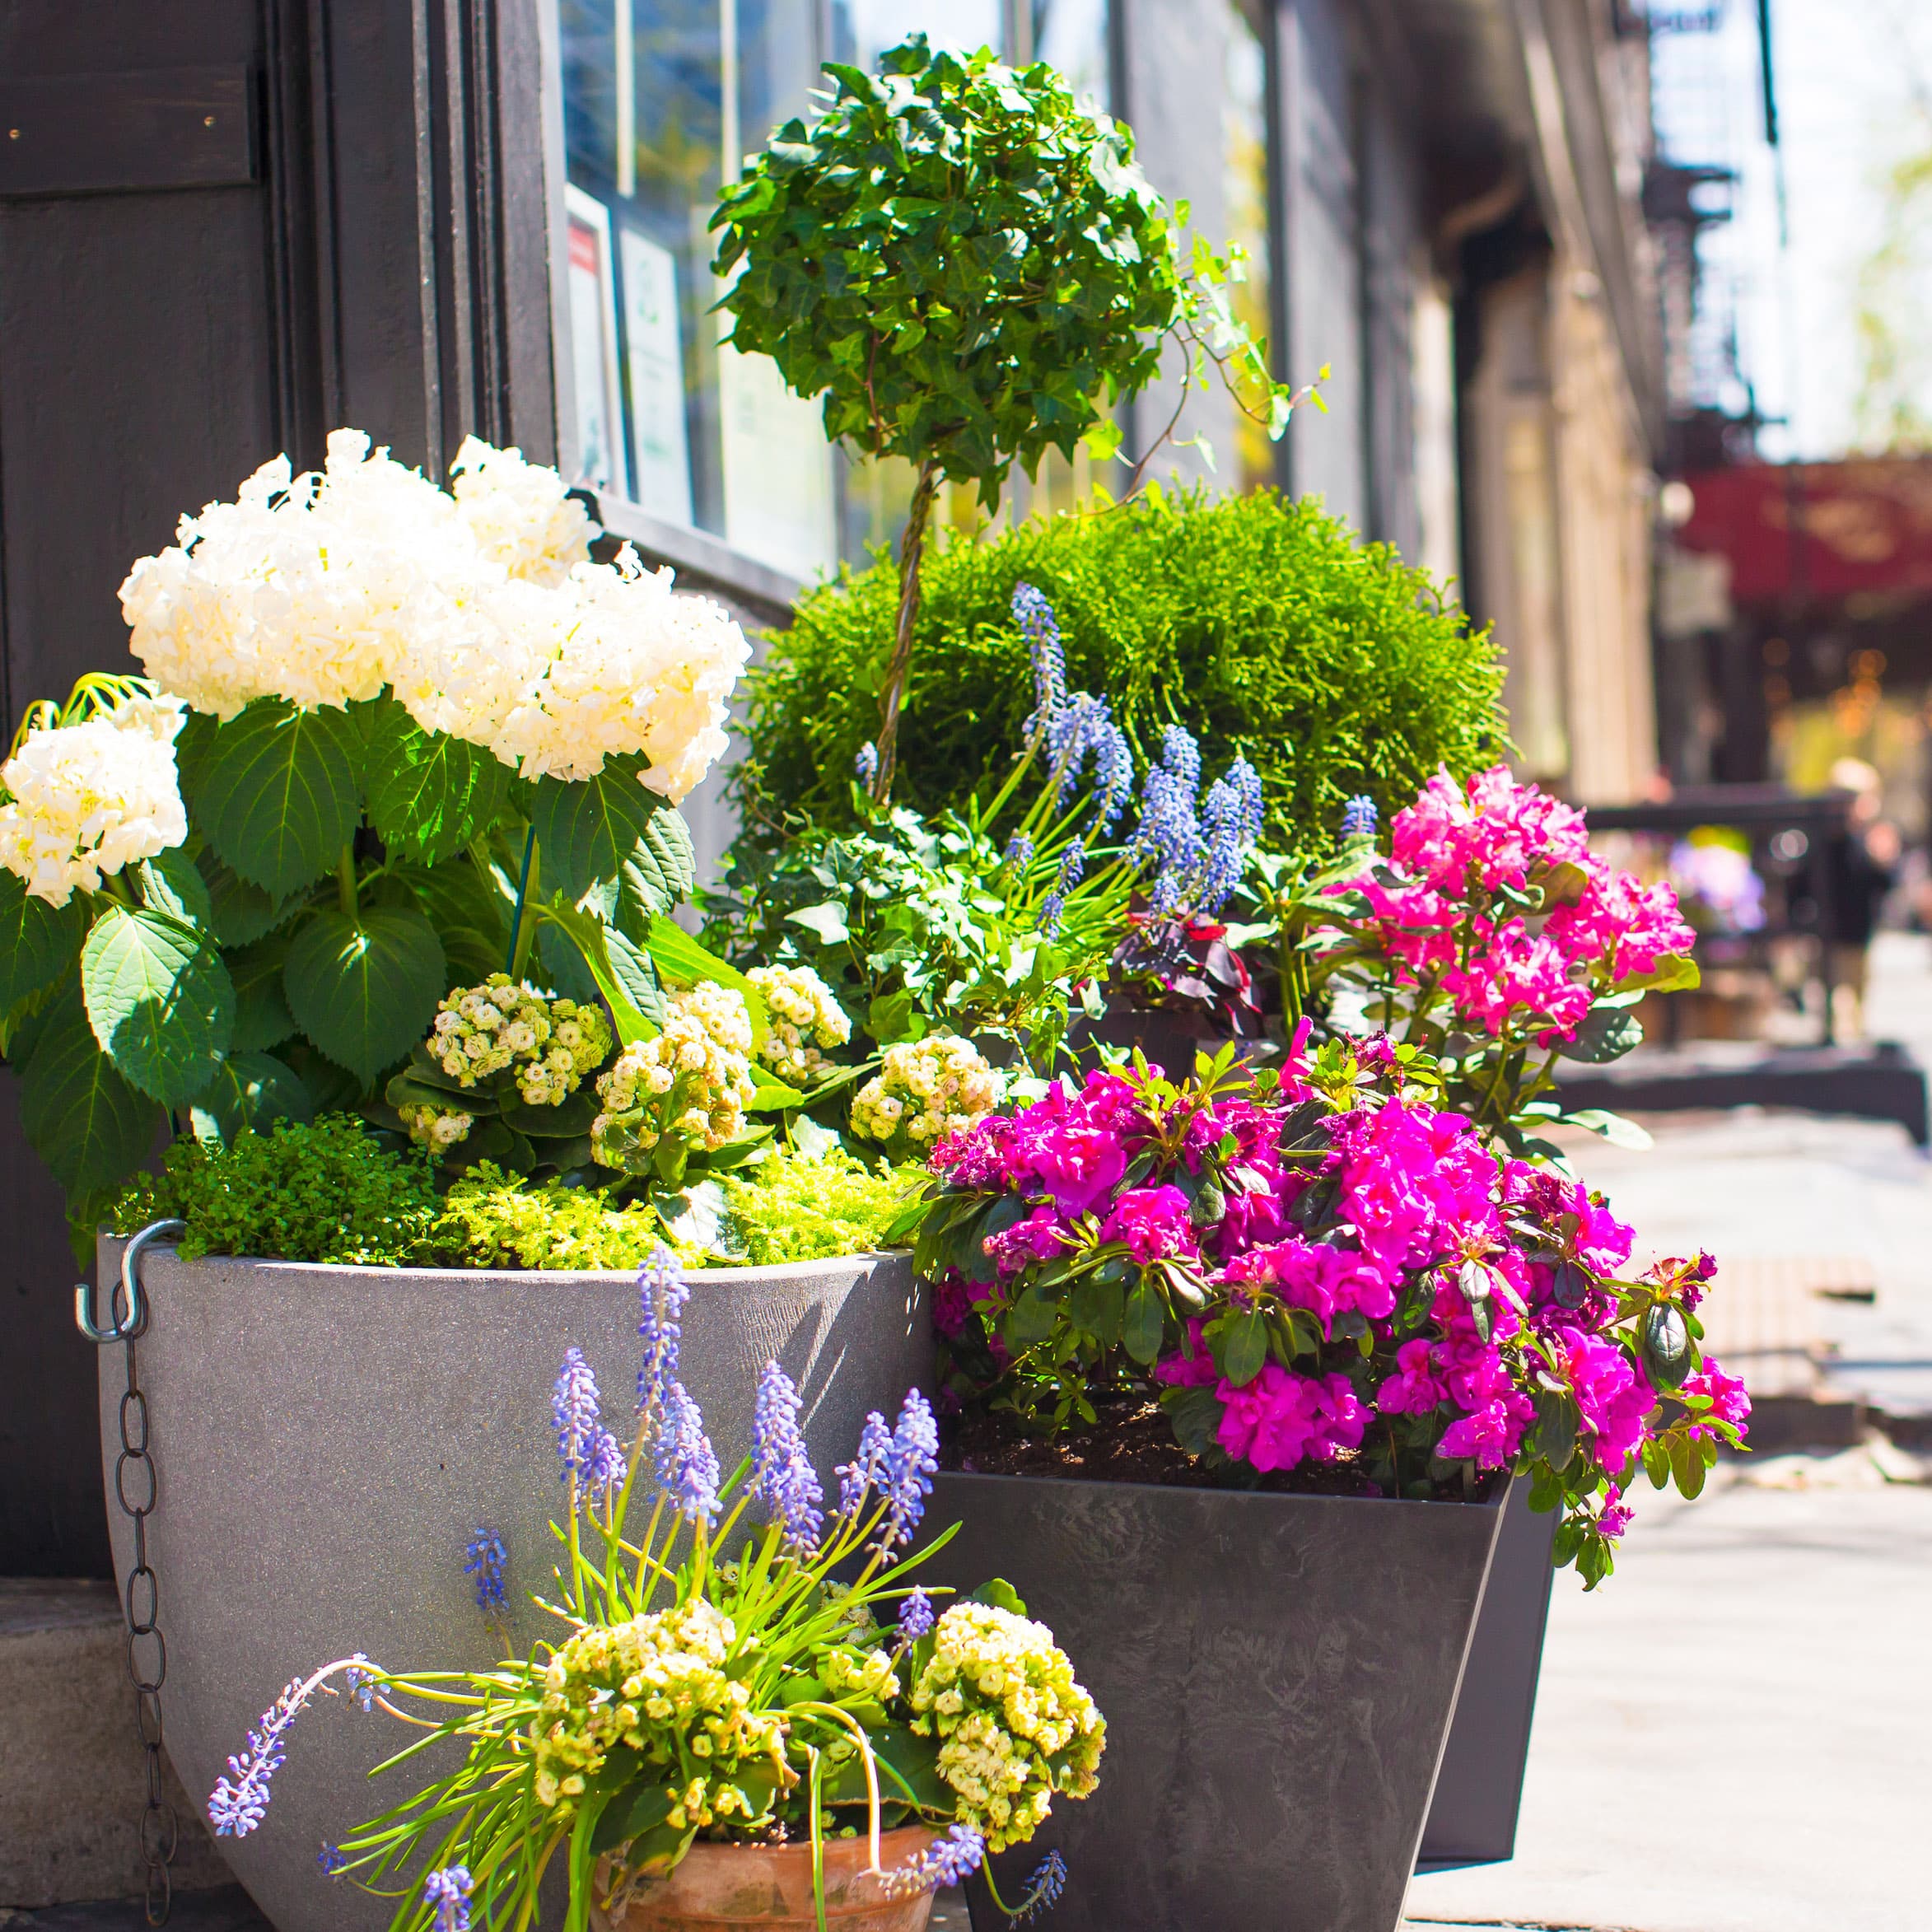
(969, 267)
(275, 791)
(364, 989)
(159, 999)
(428, 793)
(792, 1207)
(494, 1219)
(80, 1116)
(591, 831)
(1259, 623)
(37, 940)
(249, 1090)
(323, 1192)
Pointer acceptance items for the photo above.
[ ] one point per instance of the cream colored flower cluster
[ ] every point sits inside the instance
(940, 1085)
(553, 1044)
(437, 1128)
(855, 1673)
(85, 800)
(480, 610)
(806, 1018)
(1001, 1696)
(694, 1080)
(657, 1684)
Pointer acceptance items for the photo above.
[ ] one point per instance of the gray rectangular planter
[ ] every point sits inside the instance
(1472, 1817)
(1277, 1673)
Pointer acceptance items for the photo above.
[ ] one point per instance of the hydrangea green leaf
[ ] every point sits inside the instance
(261, 1017)
(364, 991)
(171, 882)
(80, 1116)
(239, 912)
(594, 829)
(159, 1000)
(38, 941)
(428, 793)
(275, 793)
(249, 1090)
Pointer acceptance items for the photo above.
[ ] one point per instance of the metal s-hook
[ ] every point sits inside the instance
(120, 1329)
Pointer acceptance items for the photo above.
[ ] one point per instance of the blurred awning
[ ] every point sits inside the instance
(1808, 533)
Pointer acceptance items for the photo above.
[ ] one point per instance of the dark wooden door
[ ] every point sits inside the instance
(226, 228)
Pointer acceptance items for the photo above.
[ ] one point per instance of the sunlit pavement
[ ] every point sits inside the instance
(1731, 1734)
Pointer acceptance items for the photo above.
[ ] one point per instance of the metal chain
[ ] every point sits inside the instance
(147, 1649)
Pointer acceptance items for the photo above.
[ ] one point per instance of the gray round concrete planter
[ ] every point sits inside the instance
(326, 1439)
(1277, 1673)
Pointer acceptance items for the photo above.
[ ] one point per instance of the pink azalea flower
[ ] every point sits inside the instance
(1079, 1166)
(1281, 1419)
(952, 1304)
(1038, 1238)
(1490, 1433)
(1411, 1390)
(1614, 1399)
(1192, 1367)
(1730, 1400)
(1620, 920)
(1153, 1222)
(1613, 1518)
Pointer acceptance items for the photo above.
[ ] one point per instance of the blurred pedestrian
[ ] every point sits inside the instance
(1861, 863)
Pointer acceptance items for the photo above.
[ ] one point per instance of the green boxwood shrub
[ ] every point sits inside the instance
(1261, 624)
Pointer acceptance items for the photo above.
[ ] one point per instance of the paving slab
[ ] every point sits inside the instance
(1730, 1734)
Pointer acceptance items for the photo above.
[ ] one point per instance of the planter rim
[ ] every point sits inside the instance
(769, 1272)
(1498, 1492)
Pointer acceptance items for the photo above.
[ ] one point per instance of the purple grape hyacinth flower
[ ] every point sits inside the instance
(865, 764)
(663, 1291)
(687, 1464)
(240, 1801)
(910, 1465)
(1043, 1890)
(864, 1473)
(781, 1474)
(915, 1617)
(949, 1860)
(1042, 628)
(604, 1469)
(484, 1560)
(448, 1891)
(574, 1408)
(333, 1860)
(1358, 816)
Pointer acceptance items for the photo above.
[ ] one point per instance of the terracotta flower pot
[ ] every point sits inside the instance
(717, 1885)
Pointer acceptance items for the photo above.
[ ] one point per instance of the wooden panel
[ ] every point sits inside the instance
(109, 133)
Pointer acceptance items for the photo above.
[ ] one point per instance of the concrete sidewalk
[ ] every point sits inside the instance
(1731, 1734)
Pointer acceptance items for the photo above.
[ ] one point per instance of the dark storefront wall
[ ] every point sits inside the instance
(372, 248)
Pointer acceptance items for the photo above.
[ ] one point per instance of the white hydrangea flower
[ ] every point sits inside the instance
(520, 513)
(806, 1018)
(926, 1088)
(85, 800)
(694, 1081)
(480, 610)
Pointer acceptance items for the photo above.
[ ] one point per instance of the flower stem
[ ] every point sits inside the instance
(345, 883)
(911, 545)
(519, 940)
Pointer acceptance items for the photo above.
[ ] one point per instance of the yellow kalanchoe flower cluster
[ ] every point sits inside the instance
(553, 1044)
(806, 1019)
(657, 1684)
(1001, 1699)
(438, 1128)
(940, 1085)
(694, 1080)
(89, 799)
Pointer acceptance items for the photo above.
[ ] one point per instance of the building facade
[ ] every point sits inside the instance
(227, 226)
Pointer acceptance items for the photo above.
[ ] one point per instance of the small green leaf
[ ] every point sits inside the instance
(826, 922)
(261, 1017)
(622, 974)
(429, 794)
(1195, 1415)
(1245, 1347)
(996, 1593)
(1030, 1319)
(589, 830)
(250, 1090)
(241, 912)
(1097, 1307)
(1607, 1033)
(90, 1127)
(680, 958)
(275, 793)
(1143, 1324)
(1614, 1128)
(38, 941)
(1667, 1354)
(364, 991)
(159, 1000)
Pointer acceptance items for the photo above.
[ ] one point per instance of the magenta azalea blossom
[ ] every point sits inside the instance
(1152, 1221)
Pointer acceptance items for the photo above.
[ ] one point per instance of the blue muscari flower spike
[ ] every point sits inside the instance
(1227, 853)
(485, 1560)
(332, 1860)
(573, 1407)
(915, 1617)
(1113, 777)
(949, 1860)
(687, 1464)
(1358, 818)
(1036, 620)
(604, 1467)
(1182, 756)
(1053, 906)
(865, 764)
(360, 1683)
(1247, 783)
(239, 1801)
(910, 1464)
(448, 1892)
(1042, 1889)
(864, 1472)
(1052, 910)
(1019, 850)
(781, 1474)
(663, 1291)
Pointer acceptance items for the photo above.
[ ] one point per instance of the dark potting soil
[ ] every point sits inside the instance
(1128, 1442)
